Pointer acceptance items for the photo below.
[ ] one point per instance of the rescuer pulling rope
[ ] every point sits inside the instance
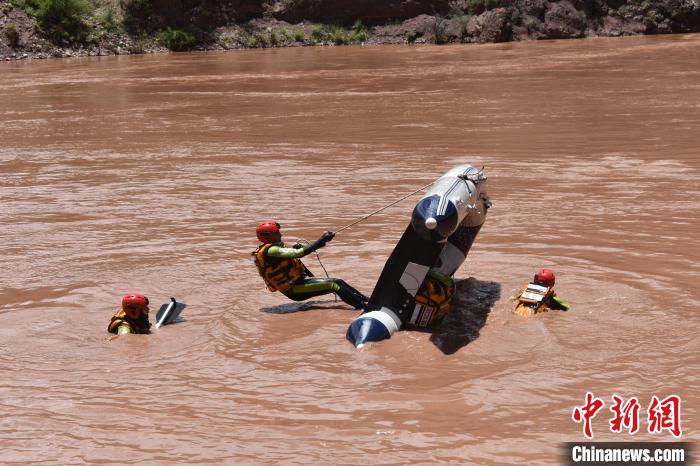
(282, 271)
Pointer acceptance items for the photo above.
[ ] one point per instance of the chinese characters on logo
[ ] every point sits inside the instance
(587, 412)
(661, 415)
(626, 415)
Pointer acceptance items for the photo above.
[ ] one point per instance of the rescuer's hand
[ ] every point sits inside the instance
(327, 236)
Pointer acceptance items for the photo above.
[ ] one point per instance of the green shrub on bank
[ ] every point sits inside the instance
(359, 33)
(339, 36)
(107, 18)
(411, 36)
(287, 36)
(12, 34)
(176, 39)
(317, 32)
(359, 37)
(61, 20)
(28, 6)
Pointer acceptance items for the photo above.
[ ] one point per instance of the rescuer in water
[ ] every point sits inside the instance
(434, 297)
(132, 317)
(539, 296)
(282, 270)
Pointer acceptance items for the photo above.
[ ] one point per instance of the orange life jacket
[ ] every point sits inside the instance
(533, 299)
(139, 326)
(281, 274)
(432, 302)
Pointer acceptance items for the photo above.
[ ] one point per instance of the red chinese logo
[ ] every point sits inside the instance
(661, 415)
(626, 415)
(665, 415)
(587, 412)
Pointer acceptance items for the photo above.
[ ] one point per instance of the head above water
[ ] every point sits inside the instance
(268, 231)
(545, 277)
(134, 304)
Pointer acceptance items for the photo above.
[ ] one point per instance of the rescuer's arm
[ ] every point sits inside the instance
(558, 303)
(517, 296)
(441, 277)
(280, 252)
(297, 252)
(124, 329)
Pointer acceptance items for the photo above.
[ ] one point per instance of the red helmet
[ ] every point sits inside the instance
(545, 276)
(268, 231)
(134, 304)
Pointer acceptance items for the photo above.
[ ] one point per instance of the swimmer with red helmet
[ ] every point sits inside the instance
(132, 317)
(539, 296)
(282, 271)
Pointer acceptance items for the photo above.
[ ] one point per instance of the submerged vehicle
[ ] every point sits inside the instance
(415, 287)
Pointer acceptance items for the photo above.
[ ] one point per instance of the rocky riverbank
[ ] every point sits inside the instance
(64, 28)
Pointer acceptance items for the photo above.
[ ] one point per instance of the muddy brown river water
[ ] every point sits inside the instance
(149, 173)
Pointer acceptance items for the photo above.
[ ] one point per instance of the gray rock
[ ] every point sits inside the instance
(534, 8)
(490, 26)
(563, 21)
(615, 26)
(531, 28)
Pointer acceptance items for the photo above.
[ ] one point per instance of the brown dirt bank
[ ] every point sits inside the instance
(111, 27)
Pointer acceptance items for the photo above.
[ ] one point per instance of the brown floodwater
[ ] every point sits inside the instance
(149, 174)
